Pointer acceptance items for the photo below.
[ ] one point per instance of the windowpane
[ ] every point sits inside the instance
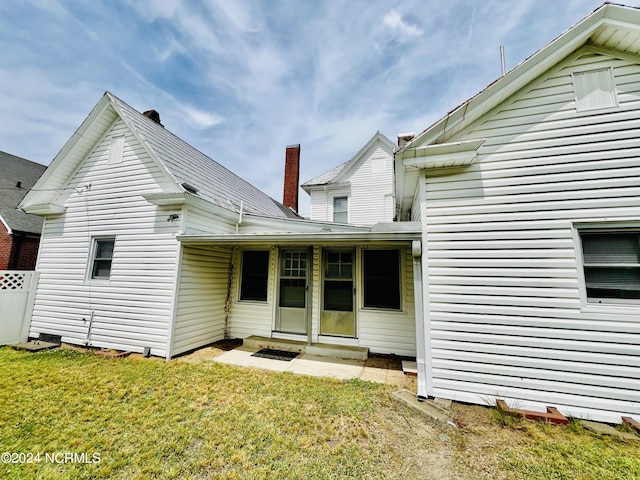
(382, 279)
(340, 209)
(338, 295)
(102, 258)
(255, 273)
(611, 263)
(292, 292)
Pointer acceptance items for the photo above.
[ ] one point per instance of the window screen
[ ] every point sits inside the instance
(102, 258)
(611, 264)
(381, 271)
(255, 273)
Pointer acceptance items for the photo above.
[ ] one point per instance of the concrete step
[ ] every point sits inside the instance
(318, 349)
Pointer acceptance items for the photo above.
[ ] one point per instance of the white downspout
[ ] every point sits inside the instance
(427, 376)
(416, 253)
(240, 215)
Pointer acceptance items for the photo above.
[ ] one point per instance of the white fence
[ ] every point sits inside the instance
(17, 292)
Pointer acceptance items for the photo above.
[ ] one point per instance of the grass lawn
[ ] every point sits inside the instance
(147, 418)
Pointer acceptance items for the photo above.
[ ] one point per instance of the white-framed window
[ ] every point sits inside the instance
(594, 89)
(611, 265)
(381, 279)
(101, 258)
(254, 275)
(341, 209)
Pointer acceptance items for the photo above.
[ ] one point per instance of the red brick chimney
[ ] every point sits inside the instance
(291, 177)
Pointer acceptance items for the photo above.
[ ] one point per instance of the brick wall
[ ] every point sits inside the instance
(6, 246)
(17, 252)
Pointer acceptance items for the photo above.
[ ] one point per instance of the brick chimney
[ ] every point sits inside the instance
(291, 177)
(404, 138)
(153, 115)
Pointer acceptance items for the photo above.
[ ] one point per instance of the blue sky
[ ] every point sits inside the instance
(241, 80)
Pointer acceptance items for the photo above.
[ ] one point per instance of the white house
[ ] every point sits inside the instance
(150, 244)
(359, 191)
(529, 200)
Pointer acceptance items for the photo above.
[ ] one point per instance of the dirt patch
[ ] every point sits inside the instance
(415, 446)
(210, 351)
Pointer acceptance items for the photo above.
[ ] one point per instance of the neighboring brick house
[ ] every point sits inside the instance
(19, 231)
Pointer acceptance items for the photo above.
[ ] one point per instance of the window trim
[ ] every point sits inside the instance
(89, 276)
(612, 305)
(401, 276)
(241, 276)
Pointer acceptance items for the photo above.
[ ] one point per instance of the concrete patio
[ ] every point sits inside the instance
(374, 368)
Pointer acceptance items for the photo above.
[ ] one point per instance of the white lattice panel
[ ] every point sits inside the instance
(12, 281)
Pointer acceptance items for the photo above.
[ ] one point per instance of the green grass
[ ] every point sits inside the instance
(571, 453)
(152, 419)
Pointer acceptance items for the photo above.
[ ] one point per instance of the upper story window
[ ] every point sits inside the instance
(255, 275)
(340, 209)
(102, 258)
(611, 262)
(594, 89)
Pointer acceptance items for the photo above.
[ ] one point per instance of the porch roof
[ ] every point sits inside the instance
(314, 238)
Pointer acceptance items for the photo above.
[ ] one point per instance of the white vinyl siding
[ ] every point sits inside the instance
(202, 295)
(249, 317)
(506, 317)
(389, 331)
(133, 309)
(370, 190)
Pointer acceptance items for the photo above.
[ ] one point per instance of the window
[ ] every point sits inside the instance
(381, 273)
(594, 89)
(255, 273)
(340, 209)
(611, 262)
(102, 258)
(293, 279)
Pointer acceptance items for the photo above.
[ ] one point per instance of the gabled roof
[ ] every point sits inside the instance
(16, 169)
(341, 172)
(611, 26)
(191, 171)
(610, 29)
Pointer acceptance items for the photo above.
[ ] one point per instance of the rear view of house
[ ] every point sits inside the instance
(529, 200)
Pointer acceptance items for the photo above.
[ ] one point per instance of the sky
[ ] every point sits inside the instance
(240, 80)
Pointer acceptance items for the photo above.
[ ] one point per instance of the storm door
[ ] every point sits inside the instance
(291, 315)
(338, 317)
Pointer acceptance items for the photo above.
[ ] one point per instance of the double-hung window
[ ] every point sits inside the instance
(611, 262)
(102, 258)
(340, 209)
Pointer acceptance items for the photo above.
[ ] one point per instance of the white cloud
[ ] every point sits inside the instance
(200, 119)
(394, 21)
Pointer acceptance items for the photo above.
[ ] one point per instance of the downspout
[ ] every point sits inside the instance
(416, 253)
(427, 376)
(239, 216)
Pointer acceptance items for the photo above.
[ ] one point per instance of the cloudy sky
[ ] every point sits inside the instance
(241, 80)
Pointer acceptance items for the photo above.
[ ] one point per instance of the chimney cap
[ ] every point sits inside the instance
(153, 115)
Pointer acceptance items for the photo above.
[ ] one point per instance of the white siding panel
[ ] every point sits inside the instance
(202, 295)
(133, 309)
(247, 317)
(388, 331)
(505, 301)
(369, 186)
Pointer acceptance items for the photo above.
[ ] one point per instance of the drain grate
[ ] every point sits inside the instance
(276, 354)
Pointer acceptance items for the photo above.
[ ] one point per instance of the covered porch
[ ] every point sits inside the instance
(353, 289)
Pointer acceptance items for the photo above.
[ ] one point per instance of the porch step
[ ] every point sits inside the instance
(318, 349)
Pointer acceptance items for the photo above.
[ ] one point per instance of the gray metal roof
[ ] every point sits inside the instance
(188, 165)
(13, 170)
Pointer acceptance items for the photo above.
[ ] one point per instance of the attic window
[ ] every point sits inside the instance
(116, 150)
(594, 89)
